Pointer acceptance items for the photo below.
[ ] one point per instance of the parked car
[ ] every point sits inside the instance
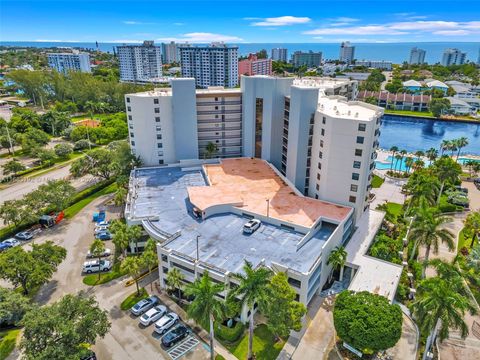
(99, 216)
(4, 247)
(106, 253)
(462, 189)
(251, 226)
(166, 322)
(105, 235)
(153, 315)
(24, 235)
(103, 223)
(12, 242)
(96, 266)
(89, 356)
(101, 229)
(175, 335)
(144, 305)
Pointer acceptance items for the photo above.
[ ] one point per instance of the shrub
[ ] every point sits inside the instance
(63, 150)
(446, 208)
(81, 145)
(232, 334)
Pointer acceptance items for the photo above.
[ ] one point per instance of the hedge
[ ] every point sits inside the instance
(231, 335)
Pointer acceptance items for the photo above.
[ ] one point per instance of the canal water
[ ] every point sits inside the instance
(413, 134)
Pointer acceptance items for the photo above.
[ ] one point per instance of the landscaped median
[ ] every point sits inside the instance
(133, 299)
(8, 339)
(95, 279)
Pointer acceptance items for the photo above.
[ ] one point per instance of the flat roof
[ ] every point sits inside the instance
(248, 183)
(160, 194)
(339, 107)
(320, 82)
(373, 275)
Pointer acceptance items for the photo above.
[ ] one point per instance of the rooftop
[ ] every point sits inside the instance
(248, 183)
(320, 82)
(337, 106)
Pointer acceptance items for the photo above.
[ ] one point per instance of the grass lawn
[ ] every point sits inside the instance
(8, 339)
(115, 273)
(464, 241)
(377, 181)
(394, 209)
(264, 347)
(133, 299)
(75, 208)
(410, 113)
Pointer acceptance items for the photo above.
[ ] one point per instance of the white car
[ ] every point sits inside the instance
(103, 223)
(166, 322)
(144, 305)
(11, 242)
(100, 229)
(251, 226)
(106, 253)
(153, 315)
(96, 266)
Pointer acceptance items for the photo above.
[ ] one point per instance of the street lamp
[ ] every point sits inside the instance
(268, 207)
(198, 236)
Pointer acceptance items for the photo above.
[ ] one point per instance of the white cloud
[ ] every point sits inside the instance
(203, 37)
(281, 21)
(178, 24)
(125, 41)
(344, 19)
(452, 32)
(355, 30)
(55, 40)
(133, 22)
(424, 25)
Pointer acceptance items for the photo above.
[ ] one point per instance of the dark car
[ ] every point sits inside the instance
(178, 333)
(4, 247)
(24, 235)
(106, 235)
(90, 355)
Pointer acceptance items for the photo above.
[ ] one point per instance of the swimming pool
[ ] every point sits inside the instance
(387, 164)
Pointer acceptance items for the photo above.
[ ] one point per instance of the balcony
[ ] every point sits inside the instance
(219, 112)
(218, 103)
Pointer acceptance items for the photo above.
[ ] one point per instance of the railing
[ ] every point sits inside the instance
(219, 112)
(220, 128)
(201, 103)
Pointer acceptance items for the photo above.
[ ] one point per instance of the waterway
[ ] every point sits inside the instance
(413, 134)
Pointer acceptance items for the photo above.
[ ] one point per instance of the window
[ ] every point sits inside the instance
(164, 258)
(362, 127)
(160, 145)
(129, 108)
(129, 117)
(357, 164)
(320, 166)
(324, 120)
(159, 128)
(352, 199)
(157, 110)
(128, 100)
(317, 187)
(160, 162)
(320, 154)
(318, 176)
(155, 101)
(323, 132)
(160, 153)
(159, 136)
(132, 134)
(321, 143)
(355, 176)
(360, 139)
(133, 143)
(353, 188)
(295, 282)
(183, 267)
(358, 152)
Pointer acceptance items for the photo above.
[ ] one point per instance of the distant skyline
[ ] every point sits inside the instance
(247, 21)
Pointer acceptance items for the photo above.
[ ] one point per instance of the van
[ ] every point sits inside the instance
(96, 266)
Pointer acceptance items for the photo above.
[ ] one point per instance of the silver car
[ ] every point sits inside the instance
(143, 305)
(153, 315)
(166, 322)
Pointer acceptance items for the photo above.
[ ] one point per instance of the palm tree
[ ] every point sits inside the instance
(441, 306)
(402, 153)
(175, 280)
(120, 237)
(409, 163)
(461, 143)
(394, 150)
(447, 171)
(150, 259)
(422, 188)
(427, 230)
(453, 147)
(473, 259)
(205, 307)
(445, 145)
(337, 259)
(252, 289)
(432, 154)
(471, 165)
(398, 157)
(91, 107)
(419, 153)
(133, 266)
(418, 164)
(472, 226)
(210, 149)
(134, 234)
(97, 249)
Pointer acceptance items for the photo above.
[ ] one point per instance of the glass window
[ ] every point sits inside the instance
(360, 139)
(129, 108)
(323, 132)
(155, 101)
(357, 164)
(160, 145)
(321, 143)
(320, 166)
(355, 176)
(160, 162)
(352, 199)
(129, 117)
(128, 100)
(358, 152)
(362, 127)
(133, 143)
(159, 136)
(157, 118)
(353, 188)
(159, 128)
(324, 120)
(320, 154)
(157, 110)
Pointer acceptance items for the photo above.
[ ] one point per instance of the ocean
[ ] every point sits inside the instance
(394, 52)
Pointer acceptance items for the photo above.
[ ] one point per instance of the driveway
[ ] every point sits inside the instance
(473, 195)
(389, 191)
(126, 339)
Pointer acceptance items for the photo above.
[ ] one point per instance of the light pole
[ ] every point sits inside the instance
(198, 236)
(268, 207)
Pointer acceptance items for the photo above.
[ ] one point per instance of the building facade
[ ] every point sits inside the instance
(212, 65)
(254, 66)
(140, 63)
(171, 52)
(375, 64)
(310, 59)
(453, 57)
(417, 56)
(347, 52)
(279, 54)
(64, 62)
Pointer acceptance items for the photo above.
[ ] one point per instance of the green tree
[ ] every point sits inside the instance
(13, 166)
(206, 306)
(428, 230)
(133, 266)
(55, 195)
(438, 106)
(30, 269)
(394, 150)
(13, 212)
(98, 162)
(473, 259)
(447, 171)
(367, 321)
(439, 306)
(210, 150)
(337, 259)
(472, 226)
(63, 330)
(149, 257)
(282, 311)
(134, 234)
(432, 154)
(12, 307)
(120, 237)
(97, 249)
(63, 150)
(252, 289)
(46, 156)
(461, 143)
(175, 281)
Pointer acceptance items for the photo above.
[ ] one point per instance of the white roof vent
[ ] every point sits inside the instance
(356, 114)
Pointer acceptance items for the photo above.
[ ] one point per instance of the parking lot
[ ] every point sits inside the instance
(126, 338)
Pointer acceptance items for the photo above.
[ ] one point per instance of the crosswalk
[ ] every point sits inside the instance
(184, 347)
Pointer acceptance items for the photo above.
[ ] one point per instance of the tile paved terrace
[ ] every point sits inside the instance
(250, 182)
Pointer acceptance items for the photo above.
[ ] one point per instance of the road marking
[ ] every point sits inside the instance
(185, 346)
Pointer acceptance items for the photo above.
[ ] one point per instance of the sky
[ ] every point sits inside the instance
(248, 21)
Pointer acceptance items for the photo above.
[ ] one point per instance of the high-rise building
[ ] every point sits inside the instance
(310, 59)
(279, 54)
(417, 56)
(171, 52)
(453, 57)
(74, 61)
(347, 52)
(375, 64)
(140, 63)
(212, 65)
(254, 66)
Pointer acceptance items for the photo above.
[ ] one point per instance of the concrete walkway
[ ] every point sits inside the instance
(406, 347)
(390, 191)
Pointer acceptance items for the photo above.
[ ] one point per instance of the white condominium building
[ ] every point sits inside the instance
(347, 52)
(453, 57)
(140, 63)
(212, 65)
(417, 56)
(375, 64)
(74, 61)
(279, 54)
(171, 52)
